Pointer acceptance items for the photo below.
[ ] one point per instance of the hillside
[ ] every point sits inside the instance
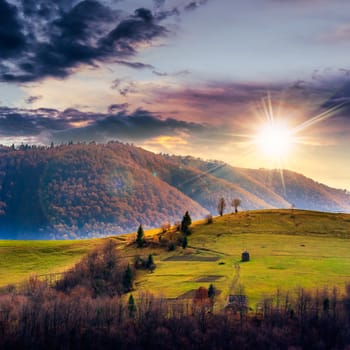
(21, 259)
(288, 250)
(81, 191)
(294, 188)
(90, 190)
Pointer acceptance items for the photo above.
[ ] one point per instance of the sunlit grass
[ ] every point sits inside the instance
(288, 249)
(20, 259)
(306, 249)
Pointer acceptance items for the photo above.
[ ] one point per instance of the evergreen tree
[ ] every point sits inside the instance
(128, 278)
(150, 260)
(211, 291)
(131, 306)
(140, 237)
(184, 242)
(185, 223)
(150, 263)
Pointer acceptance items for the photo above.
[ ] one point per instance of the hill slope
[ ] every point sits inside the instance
(278, 188)
(287, 249)
(82, 190)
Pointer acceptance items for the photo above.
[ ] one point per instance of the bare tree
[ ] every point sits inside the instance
(221, 206)
(236, 202)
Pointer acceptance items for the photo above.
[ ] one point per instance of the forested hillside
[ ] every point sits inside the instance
(279, 188)
(83, 190)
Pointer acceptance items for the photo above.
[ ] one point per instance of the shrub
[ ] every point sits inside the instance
(209, 219)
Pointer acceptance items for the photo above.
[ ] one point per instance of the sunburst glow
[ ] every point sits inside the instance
(274, 140)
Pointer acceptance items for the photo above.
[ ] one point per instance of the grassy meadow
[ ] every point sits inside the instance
(288, 249)
(20, 259)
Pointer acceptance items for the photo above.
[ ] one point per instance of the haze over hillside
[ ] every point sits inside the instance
(83, 190)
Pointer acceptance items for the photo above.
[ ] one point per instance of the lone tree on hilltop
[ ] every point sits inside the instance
(140, 237)
(236, 202)
(185, 223)
(221, 206)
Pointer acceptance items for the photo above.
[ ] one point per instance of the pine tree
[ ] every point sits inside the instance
(185, 223)
(140, 237)
(150, 263)
(128, 278)
(131, 306)
(150, 260)
(211, 291)
(184, 242)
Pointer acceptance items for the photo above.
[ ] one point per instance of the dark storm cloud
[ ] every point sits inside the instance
(139, 125)
(46, 125)
(117, 123)
(12, 40)
(32, 122)
(47, 38)
(137, 29)
(21, 122)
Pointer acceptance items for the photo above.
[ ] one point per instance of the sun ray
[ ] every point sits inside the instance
(320, 117)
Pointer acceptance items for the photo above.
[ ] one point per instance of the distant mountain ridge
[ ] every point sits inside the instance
(85, 190)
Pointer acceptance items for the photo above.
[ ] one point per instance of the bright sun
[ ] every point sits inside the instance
(274, 140)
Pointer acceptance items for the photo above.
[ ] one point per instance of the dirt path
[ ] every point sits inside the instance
(235, 279)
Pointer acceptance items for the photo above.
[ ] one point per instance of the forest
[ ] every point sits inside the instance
(90, 307)
(89, 190)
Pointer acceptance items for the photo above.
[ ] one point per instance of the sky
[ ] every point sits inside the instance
(208, 78)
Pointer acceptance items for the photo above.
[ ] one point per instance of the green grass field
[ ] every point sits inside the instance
(288, 250)
(306, 249)
(20, 259)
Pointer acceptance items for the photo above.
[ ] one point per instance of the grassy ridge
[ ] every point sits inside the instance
(19, 259)
(288, 249)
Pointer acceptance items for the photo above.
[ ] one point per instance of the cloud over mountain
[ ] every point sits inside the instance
(39, 39)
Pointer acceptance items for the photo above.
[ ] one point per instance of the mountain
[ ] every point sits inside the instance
(279, 188)
(85, 190)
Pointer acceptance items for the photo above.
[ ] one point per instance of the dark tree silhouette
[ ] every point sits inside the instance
(128, 278)
(150, 263)
(140, 237)
(184, 242)
(185, 223)
(131, 306)
(236, 202)
(211, 291)
(221, 206)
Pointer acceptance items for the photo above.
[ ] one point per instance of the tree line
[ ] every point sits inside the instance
(42, 318)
